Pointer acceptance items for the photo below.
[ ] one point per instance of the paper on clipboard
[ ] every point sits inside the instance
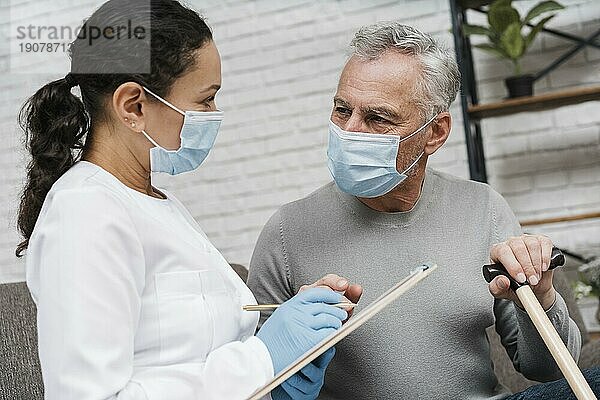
(355, 322)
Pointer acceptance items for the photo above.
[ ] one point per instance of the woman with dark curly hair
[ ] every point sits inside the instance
(133, 300)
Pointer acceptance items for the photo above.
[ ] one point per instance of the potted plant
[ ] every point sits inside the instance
(508, 40)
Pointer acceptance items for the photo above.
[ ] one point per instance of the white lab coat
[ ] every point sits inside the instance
(134, 302)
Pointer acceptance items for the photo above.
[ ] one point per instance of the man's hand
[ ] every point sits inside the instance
(526, 258)
(352, 292)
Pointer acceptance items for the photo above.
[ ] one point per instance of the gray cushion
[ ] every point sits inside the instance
(590, 355)
(241, 270)
(20, 374)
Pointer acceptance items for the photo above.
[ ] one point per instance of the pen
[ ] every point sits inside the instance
(263, 307)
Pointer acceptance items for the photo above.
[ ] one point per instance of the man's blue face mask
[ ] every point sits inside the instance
(198, 134)
(364, 164)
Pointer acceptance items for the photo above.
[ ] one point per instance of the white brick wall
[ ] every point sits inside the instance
(281, 61)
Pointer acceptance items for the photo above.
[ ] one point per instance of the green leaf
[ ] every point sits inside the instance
(535, 30)
(512, 42)
(493, 50)
(501, 17)
(476, 30)
(501, 3)
(541, 8)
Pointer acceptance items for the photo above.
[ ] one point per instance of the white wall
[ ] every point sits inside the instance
(281, 61)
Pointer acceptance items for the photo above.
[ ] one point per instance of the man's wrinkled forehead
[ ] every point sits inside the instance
(389, 80)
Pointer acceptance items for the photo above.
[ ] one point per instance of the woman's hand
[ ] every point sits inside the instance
(306, 384)
(300, 323)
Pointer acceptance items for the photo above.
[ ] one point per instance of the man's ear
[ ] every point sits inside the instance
(440, 128)
(128, 101)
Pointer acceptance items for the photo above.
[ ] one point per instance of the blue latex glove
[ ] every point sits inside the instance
(299, 324)
(306, 384)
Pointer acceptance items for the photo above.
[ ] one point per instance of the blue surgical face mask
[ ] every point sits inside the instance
(197, 134)
(364, 164)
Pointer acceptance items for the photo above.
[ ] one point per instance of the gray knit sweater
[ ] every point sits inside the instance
(431, 343)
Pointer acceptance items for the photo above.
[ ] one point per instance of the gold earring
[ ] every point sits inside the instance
(133, 124)
(126, 119)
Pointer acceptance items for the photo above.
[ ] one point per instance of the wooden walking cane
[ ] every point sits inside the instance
(545, 328)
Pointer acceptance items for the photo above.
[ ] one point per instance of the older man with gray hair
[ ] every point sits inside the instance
(385, 213)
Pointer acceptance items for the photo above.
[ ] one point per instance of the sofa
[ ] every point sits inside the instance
(21, 379)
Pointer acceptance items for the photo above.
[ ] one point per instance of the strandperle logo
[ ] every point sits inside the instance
(88, 33)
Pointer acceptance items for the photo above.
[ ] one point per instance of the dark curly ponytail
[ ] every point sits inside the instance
(59, 126)
(55, 123)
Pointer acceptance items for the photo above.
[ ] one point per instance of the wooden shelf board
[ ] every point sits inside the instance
(554, 220)
(540, 102)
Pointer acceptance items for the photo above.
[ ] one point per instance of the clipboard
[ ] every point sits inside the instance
(355, 322)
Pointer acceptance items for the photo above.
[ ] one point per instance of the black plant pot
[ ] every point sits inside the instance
(519, 86)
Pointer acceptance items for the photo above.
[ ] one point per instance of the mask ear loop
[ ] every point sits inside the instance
(165, 102)
(151, 140)
(413, 164)
(419, 130)
(422, 153)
